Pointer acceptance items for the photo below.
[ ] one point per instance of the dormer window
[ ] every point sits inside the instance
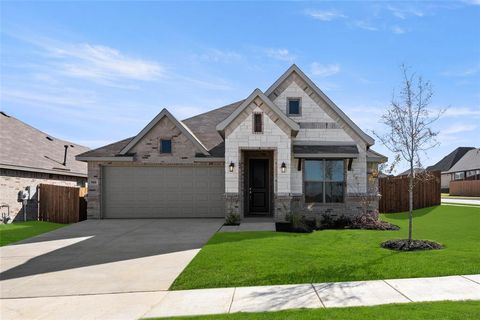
(293, 106)
(257, 122)
(165, 146)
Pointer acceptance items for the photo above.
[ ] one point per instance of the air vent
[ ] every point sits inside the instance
(49, 138)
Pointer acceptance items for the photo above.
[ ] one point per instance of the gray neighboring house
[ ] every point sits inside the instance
(447, 163)
(287, 147)
(467, 168)
(29, 157)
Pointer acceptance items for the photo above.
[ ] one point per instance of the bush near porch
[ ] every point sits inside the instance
(267, 258)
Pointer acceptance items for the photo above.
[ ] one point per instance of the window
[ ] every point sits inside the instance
(257, 123)
(294, 106)
(459, 176)
(324, 181)
(165, 146)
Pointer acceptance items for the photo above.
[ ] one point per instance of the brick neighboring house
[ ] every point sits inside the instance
(447, 163)
(287, 147)
(29, 157)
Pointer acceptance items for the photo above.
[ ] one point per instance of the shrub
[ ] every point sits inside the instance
(328, 221)
(232, 219)
(370, 221)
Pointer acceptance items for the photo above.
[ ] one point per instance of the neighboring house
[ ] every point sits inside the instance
(407, 172)
(29, 157)
(467, 169)
(446, 164)
(287, 147)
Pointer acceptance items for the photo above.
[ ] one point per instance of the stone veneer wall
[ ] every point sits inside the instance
(13, 181)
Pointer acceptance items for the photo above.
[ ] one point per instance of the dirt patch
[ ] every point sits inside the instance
(404, 245)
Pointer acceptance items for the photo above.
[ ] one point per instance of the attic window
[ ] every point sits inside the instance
(293, 106)
(165, 146)
(257, 123)
(49, 138)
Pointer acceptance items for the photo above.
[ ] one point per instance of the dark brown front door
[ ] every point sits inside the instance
(259, 193)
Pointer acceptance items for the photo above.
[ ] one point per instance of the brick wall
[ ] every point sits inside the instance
(13, 181)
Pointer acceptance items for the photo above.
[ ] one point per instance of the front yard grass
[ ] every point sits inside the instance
(447, 310)
(267, 258)
(10, 233)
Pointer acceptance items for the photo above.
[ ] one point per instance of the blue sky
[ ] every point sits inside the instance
(97, 72)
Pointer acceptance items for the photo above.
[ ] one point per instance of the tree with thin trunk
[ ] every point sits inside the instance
(408, 120)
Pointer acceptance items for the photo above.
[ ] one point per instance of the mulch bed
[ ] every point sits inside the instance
(402, 245)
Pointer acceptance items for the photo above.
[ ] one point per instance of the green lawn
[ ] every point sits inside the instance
(266, 258)
(10, 233)
(447, 310)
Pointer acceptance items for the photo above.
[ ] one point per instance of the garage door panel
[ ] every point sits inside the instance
(163, 192)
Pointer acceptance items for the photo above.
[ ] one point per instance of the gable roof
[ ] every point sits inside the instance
(450, 159)
(369, 140)
(257, 93)
(183, 128)
(26, 148)
(374, 156)
(470, 161)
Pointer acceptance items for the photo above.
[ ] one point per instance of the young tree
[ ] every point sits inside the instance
(408, 121)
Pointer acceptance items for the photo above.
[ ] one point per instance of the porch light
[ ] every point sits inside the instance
(283, 167)
(231, 166)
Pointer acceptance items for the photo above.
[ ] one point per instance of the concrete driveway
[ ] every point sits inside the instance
(102, 257)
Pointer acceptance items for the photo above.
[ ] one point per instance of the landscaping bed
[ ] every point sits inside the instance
(268, 258)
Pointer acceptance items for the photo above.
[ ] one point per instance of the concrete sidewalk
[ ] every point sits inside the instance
(243, 299)
(460, 201)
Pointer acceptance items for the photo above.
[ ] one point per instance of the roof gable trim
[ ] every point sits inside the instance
(257, 93)
(294, 68)
(183, 128)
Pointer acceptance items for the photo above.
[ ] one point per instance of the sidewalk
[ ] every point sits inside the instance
(243, 299)
(460, 201)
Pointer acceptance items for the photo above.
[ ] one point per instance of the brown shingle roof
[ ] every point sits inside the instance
(202, 126)
(25, 148)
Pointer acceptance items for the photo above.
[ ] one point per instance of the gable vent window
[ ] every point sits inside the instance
(257, 123)
(293, 107)
(165, 146)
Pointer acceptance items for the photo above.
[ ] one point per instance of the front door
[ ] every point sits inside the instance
(258, 189)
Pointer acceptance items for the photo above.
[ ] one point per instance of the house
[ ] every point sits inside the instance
(465, 175)
(29, 157)
(407, 172)
(446, 163)
(288, 148)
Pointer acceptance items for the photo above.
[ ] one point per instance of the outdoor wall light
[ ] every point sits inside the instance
(283, 167)
(231, 166)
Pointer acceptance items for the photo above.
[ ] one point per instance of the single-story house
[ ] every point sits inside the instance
(446, 163)
(465, 174)
(30, 157)
(287, 148)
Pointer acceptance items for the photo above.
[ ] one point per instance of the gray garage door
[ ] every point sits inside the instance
(163, 192)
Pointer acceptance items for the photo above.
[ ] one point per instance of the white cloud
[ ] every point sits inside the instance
(103, 63)
(466, 72)
(217, 55)
(455, 133)
(405, 12)
(364, 25)
(280, 54)
(325, 15)
(398, 30)
(324, 70)
(472, 2)
(462, 112)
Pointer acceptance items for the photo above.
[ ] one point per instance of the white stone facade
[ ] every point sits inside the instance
(243, 138)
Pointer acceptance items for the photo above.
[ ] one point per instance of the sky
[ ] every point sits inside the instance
(98, 72)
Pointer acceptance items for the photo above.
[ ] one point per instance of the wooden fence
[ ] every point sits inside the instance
(62, 204)
(394, 191)
(470, 188)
